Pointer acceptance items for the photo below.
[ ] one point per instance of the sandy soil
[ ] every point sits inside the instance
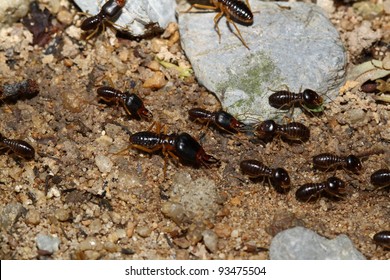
(103, 205)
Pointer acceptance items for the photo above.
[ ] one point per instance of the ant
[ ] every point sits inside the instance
(332, 187)
(277, 177)
(26, 88)
(131, 102)
(309, 100)
(382, 238)
(19, 147)
(109, 11)
(179, 146)
(235, 9)
(221, 119)
(381, 178)
(293, 131)
(328, 161)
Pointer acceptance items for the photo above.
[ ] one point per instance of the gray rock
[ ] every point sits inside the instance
(12, 10)
(136, 15)
(304, 244)
(10, 215)
(47, 243)
(210, 240)
(297, 47)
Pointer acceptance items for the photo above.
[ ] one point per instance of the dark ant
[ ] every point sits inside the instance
(277, 177)
(235, 9)
(293, 131)
(333, 187)
(328, 161)
(381, 178)
(382, 238)
(109, 11)
(309, 100)
(221, 119)
(19, 147)
(131, 102)
(26, 88)
(179, 146)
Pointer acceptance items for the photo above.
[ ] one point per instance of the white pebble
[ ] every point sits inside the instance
(103, 163)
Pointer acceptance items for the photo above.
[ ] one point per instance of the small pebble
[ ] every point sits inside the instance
(130, 229)
(210, 240)
(103, 163)
(143, 231)
(182, 242)
(92, 255)
(33, 217)
(65, 17)
(386, 6)
(111, 247)
(157, 81)
(90, 243)
(10, 214)
(355, 116)
(95, 226)
(47, 243)
(222, 230)
(175, 211)
(63, 215)
(195, 235)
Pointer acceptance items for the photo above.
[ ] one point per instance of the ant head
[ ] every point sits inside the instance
(353, 163)
(280, 178)
(335, 184)
(266, 129)
(311, 98)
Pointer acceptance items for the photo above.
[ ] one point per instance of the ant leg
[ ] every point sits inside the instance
(235, 26)
(249, 6)
(200, 6)
(139, 147)
(93, 33)
(152, 125)
(216, 19)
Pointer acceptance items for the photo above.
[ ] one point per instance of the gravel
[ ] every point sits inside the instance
(101, 214)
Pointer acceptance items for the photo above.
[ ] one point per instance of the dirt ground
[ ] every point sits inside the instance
(104, 205)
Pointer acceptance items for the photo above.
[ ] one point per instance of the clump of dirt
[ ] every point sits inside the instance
(106, 203)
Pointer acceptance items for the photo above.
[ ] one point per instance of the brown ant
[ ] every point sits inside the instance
(277, 177)
(108, 12)
(179, 146)
(328, 161)
(382, 238)
(132, 104)
(309, 100)
(381, 178)
(332, 187)
(26, 88)
(235, 9)
(19, 147)
(221, 119)
(293, 131)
